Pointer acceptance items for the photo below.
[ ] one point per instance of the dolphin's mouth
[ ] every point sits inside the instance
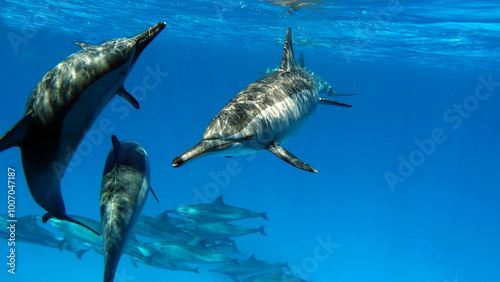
(147, 36)
(202, 148)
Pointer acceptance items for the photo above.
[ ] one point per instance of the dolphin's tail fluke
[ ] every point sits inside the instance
(262, 231)
(48, 216)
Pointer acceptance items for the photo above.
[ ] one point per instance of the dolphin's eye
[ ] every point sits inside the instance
(249, 137)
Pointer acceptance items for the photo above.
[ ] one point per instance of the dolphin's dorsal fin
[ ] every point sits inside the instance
(287, 61)
(16, 135)
(117, 150)
(197, 241)
(219, 201)
(83, 45)
(252, 258)
(301, 63)
(127, 96)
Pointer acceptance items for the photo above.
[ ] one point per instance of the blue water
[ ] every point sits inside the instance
(407, 188)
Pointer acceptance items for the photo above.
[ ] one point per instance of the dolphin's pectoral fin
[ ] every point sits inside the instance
(127, 96)
(67, 218)
(154, 194)
(83, 45)
(15, 136)
(288, 157)
(333, 103)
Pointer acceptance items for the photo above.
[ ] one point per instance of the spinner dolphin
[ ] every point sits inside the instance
(124, 188)
(263, 115)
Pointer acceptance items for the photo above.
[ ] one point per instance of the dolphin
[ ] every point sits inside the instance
(323, 85)
(217, 211)
(124, 189)
(191, 252)
(75, 235)
(155, 227)
(265, 114)
(248, 266)
(62, 108)
(166, 262)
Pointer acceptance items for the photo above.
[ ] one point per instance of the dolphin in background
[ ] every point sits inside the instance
(124, 188)
(62, 108)
(265, 114)
(217, 211)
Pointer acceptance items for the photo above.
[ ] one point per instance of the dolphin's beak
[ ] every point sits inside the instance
(202, 148)
(143, 39)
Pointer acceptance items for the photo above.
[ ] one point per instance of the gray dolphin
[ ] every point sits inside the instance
(75, 235)
(190, 253)
(217, 211)
(246, 267)
(156, 227)
(166, 262)
(124, 189)
(263, 115)
(62, 108)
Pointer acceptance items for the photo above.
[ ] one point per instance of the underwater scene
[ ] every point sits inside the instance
(250, 141)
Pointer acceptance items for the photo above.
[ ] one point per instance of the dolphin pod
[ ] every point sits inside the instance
(62, 108)
(265, 114)
(66, 102)
(160, 250)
